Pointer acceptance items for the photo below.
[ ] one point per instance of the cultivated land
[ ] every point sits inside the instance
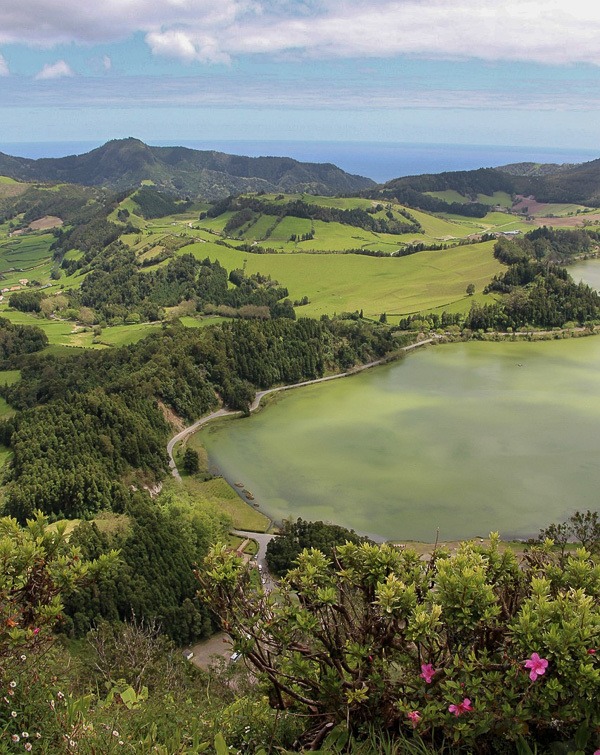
(319, 267)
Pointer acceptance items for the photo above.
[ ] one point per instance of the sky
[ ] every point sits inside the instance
(497, 72)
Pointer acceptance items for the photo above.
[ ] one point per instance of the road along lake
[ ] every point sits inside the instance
(468, 438)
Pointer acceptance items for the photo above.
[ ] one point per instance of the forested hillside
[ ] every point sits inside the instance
(125, 163)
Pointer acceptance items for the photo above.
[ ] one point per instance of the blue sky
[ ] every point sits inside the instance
(507, 72)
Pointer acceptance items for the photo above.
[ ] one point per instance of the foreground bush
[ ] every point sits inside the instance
(475, 649)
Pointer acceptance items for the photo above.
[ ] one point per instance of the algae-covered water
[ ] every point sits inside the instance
(467, 438)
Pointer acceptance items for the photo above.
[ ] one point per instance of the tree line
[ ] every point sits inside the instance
(297, 208)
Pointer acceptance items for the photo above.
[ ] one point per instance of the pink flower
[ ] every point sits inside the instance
(427, 672)
(461, 708)
(36, 630)
(592, 651)
(414, 717)
(536, 665)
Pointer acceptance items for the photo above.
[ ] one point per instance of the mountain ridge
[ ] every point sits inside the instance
(126, 163)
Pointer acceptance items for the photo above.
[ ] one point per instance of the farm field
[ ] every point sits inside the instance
(317, 268)
(346, 283)
(498, 198)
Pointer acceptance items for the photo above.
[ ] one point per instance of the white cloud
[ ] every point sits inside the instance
(541, 31)
(57, 70)
(106, 63)
(3, 67)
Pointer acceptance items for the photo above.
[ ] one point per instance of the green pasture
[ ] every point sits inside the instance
(5, 411)
(123, 335)
(345, 283)
(8, 377)
(560, 210)
(5, 453)
(218, 492)
(258, 230)
(439, 228)
(288, 226)
(61, 332)
(501, 221)
(201, 322)
(25, 251)
(498, 198)
(448, 195)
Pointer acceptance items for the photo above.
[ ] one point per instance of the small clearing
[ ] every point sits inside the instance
(45, 223)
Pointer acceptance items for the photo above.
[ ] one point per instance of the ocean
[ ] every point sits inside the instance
(380, 161)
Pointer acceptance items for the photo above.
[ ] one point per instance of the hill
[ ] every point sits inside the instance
(126, 163)
(579, 184)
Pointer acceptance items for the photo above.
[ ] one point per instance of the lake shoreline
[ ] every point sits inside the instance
(517, 338)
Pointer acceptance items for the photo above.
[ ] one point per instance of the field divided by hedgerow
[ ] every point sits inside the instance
(338, 283)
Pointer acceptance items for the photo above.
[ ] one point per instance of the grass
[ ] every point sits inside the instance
(123, 335)
(219, 492)
(201, 322)
(5, 455)
(25, 252)
(9, 377)
(561, 210)
(5, 409)
(341, 283)
(498, 198)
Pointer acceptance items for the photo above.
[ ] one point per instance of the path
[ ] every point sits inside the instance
(261, 394)
(261, 557)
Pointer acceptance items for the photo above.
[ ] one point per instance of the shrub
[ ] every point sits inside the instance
(474, 648)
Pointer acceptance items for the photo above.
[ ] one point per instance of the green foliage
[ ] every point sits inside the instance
(20, 339)
(68, 455)
(297, 208)
(154, 583)
(444, 649)
(294, 537)
(37, 567)
(116, 286)
(191, 461)
(581, 527)
(156, 204)
(26, 301)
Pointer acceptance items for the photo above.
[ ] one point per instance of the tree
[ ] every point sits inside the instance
(294, 537)
(471, 289)
(191, 461)
(581, 527)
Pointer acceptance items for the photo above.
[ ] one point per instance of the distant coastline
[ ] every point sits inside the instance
(380, 161)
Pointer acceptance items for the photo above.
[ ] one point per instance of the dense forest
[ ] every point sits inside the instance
(20, 339)
(160, 543)
(91, 420)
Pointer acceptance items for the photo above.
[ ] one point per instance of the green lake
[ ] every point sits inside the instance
(465, 438)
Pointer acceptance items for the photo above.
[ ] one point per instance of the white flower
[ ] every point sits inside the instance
(13, 684)
(15, 737)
